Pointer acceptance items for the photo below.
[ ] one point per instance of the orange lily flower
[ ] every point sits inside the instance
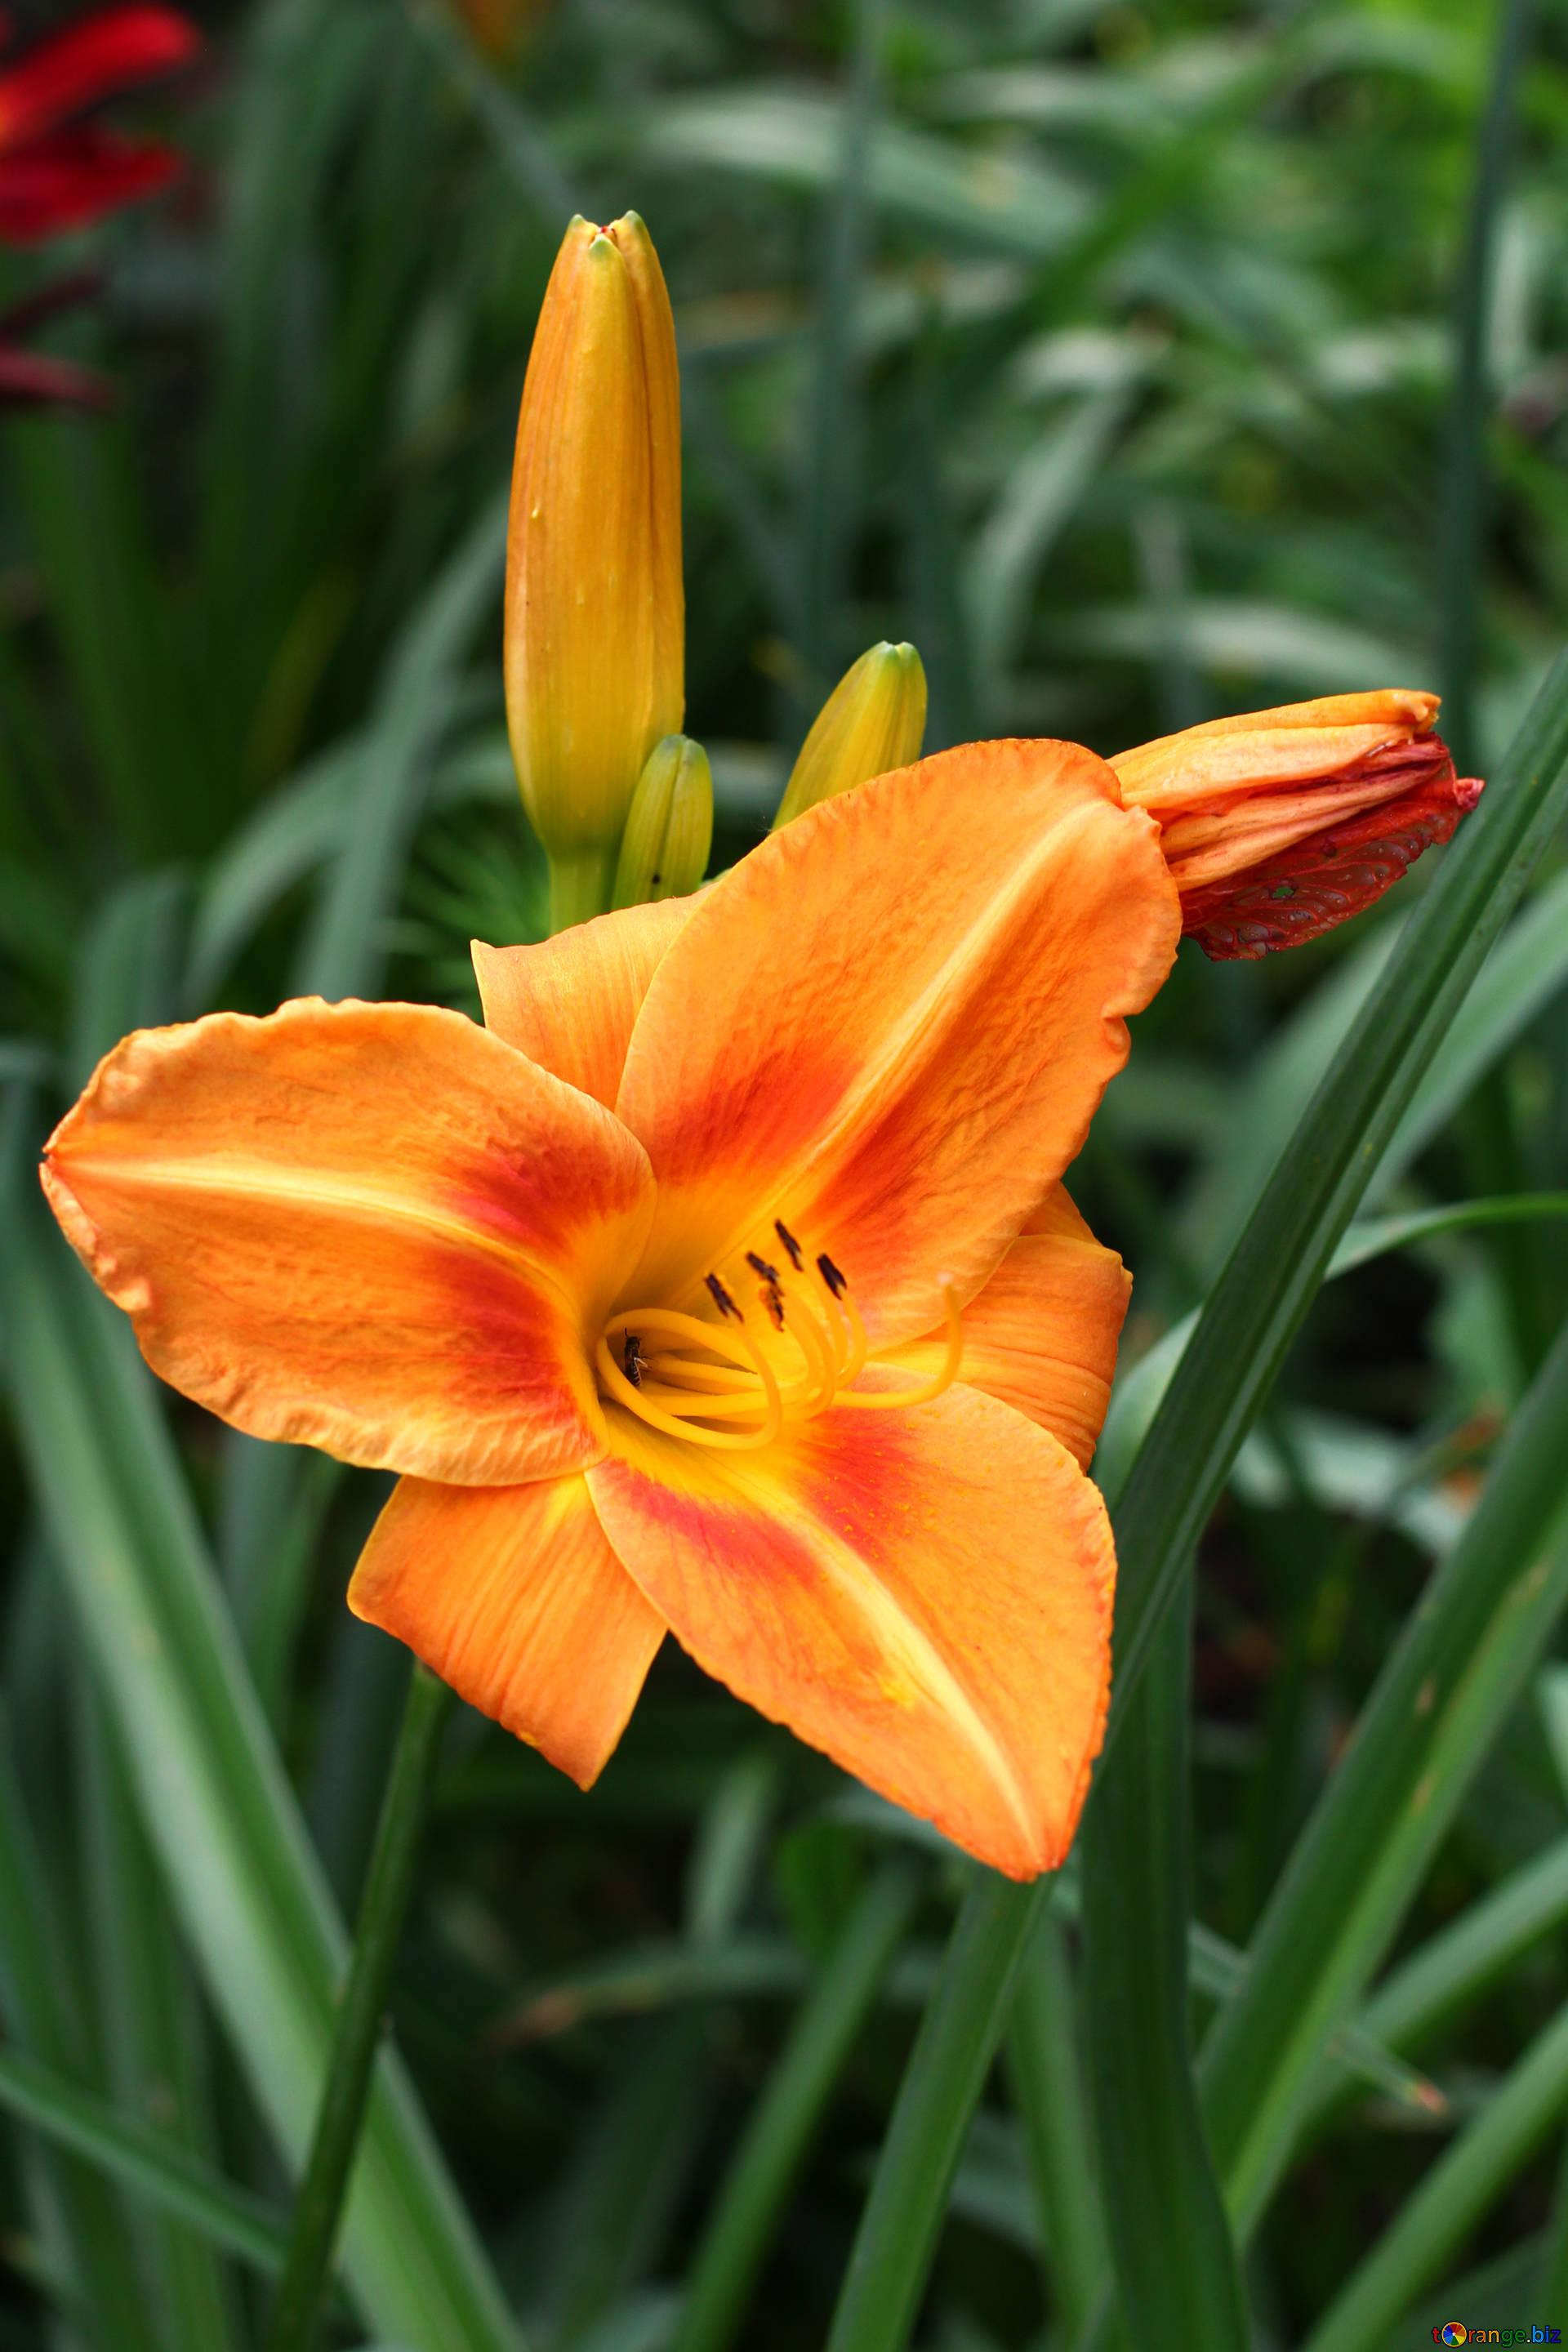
(723, 1282)
(1282, 824)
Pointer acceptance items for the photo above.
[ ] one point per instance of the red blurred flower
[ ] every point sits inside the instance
(31, 379)
(57, 170)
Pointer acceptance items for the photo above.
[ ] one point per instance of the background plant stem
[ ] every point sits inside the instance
(318, 2204)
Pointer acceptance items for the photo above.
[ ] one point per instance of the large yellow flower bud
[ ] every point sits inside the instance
(594, 610)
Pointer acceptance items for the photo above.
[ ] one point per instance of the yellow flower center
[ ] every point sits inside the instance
(725, 1381)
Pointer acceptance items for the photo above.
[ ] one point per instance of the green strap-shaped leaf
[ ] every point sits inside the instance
(1461, 1662)
(147, 2162)
(1254, 1312)
(210, 1788)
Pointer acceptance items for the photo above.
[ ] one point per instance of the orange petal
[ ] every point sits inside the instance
(569, 1003)
(925, 1595)
(891, 1024)
(1042, 1334)
(373, 1228)
(513, 1596)
(1290, 744)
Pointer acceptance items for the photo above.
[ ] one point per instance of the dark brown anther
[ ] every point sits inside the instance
(769, 1273)
(771, 1297)
(634, 1360)
(721, 1298)
(790, 1243)
(836, 1282)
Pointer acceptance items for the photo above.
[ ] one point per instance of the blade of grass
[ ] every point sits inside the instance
(305, 69)
(1435, 2220)
(1138, 1395)
(1552, 2292)
(1223, 1378)
(147, 2163)
(1175, 2265)
(210, 1789)
(150, 2027)
(340, 2118)
(1460, 1663)
(1447, 1972)
(37, 1990)
(785, 2119)
(1463, 475)
(82, 495)
(958, 2036)
(1047, 2078)
(1526, 970)
(830, 470)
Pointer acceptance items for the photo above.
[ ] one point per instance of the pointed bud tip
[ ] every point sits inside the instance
(872, 722)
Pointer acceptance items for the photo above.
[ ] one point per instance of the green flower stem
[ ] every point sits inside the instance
(580, 887)
(318, 2208)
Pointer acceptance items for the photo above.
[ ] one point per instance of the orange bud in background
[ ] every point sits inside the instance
(594, 608)
(1281, 824)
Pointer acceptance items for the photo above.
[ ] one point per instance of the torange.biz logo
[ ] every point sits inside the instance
(1454, 2331)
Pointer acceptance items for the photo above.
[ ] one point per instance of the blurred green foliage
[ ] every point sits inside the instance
(1108, 355)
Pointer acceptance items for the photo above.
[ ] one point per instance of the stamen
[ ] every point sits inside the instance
(703, 1372)
(721, 1298)
(815, 1339)
(847, 1313)
(683, 1372)
(649, 1409)
(900, 1400)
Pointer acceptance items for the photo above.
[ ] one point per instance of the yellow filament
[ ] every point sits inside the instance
(687, 1374)
(814, 1337)
(668, 1407)
(850, 1345)
(717, 1338)
(636, 1400)
(900, 1400)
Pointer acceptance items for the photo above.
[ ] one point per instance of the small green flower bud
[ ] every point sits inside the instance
(874, 720)
(670, 830)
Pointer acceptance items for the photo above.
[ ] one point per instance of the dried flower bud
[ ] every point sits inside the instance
(1282, 824)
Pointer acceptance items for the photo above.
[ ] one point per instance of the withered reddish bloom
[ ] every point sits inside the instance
(1281, 824)
(58, 170)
